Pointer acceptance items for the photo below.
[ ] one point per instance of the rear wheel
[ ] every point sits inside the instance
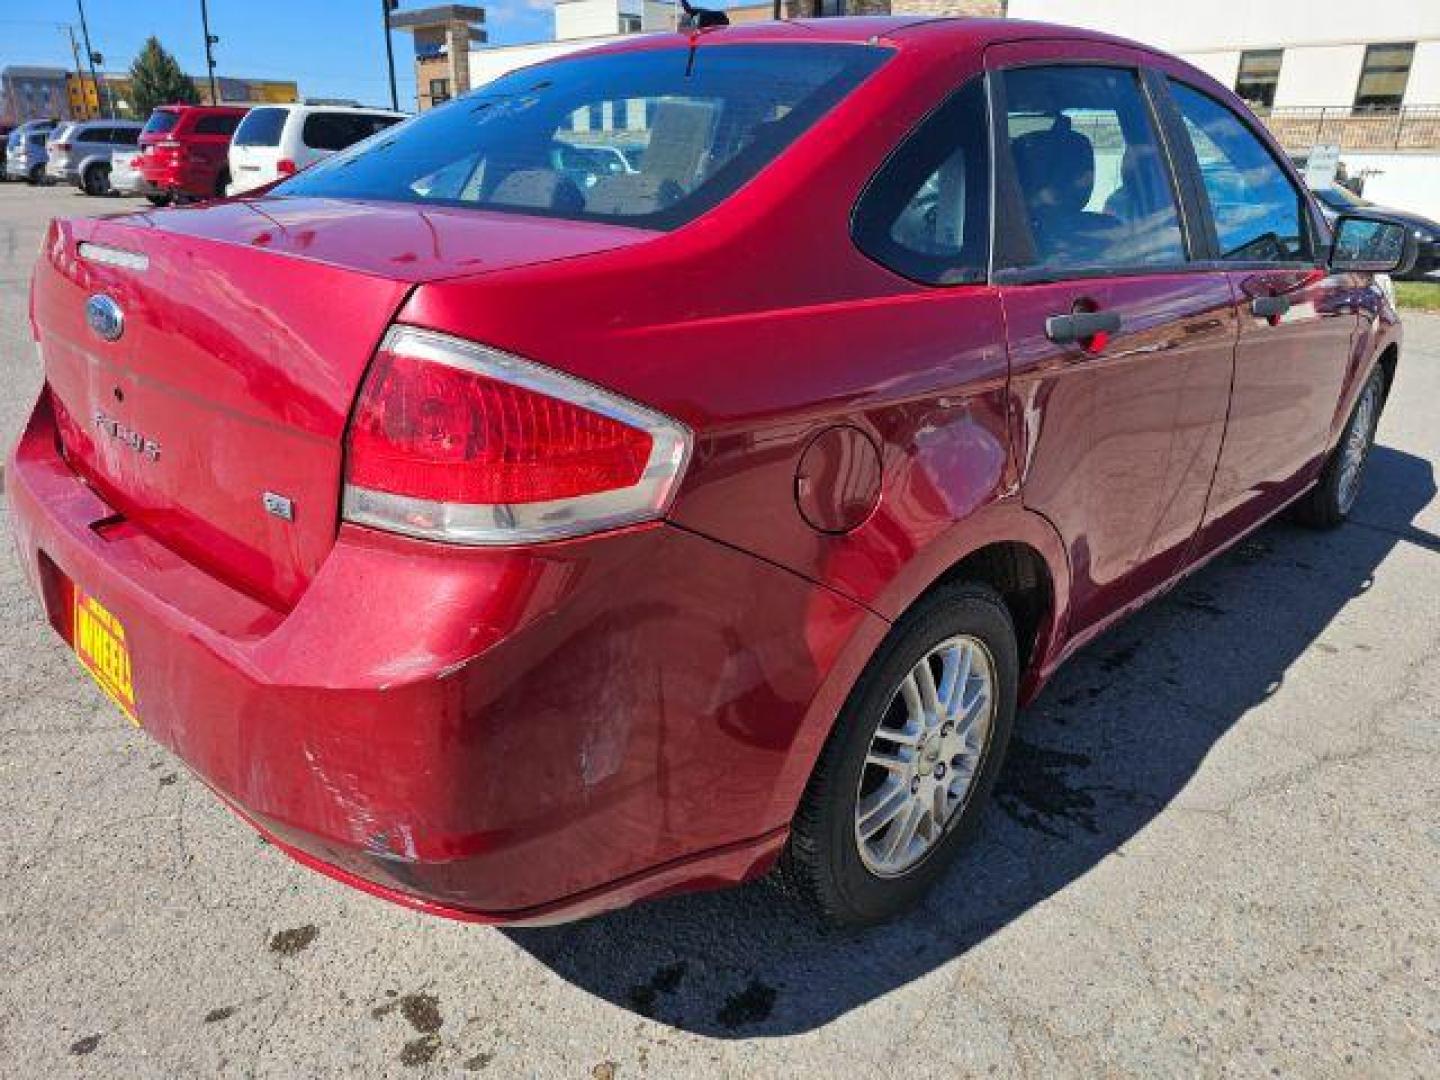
(159, 200)
(96, 180)
(221, 183)
(37, 176)
(901, 782)
(1329, 503)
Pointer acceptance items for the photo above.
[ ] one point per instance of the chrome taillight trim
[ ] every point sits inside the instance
(113, 256)
(481, 524)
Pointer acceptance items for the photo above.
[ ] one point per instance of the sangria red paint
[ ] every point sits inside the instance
(467, 691)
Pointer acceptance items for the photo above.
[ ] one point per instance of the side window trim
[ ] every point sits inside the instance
(1202, 236)
(1010, 224)
(1317, 237)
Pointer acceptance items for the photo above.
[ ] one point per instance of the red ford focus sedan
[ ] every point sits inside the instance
(683, 458)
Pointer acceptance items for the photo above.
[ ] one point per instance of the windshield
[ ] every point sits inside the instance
(1339, 198)
(650, 138)
(161, 121)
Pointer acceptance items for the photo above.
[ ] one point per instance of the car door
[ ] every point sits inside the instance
(1121, 342)
(1297, 322)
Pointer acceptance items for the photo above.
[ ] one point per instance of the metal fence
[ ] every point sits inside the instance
(1410, 127)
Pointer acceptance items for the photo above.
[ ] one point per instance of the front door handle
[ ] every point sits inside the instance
(1081, 326)
(1270, 307)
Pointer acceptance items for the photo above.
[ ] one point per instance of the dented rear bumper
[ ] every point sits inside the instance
(524, 734)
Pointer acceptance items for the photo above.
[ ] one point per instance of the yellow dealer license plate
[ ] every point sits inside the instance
(100, 645)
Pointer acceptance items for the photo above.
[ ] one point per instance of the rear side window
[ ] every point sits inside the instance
(216, 124)
(336, 131)
(161, 121)
(261, 127)
(1094, 186)
(1259, 214)
(674, 131)
(926, 215)
(125, 136)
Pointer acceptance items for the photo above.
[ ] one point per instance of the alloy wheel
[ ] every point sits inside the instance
(925, 755)
(1356, 447)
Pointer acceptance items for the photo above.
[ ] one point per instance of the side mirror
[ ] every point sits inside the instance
(1373, 245)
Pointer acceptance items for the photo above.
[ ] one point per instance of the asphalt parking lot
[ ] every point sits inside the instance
(1216, 851)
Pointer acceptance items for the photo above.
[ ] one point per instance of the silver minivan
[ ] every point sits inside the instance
(80, 153)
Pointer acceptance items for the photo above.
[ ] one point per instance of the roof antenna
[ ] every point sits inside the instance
(696, 18)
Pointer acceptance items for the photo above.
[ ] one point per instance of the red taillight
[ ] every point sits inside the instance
(62, 146)
(454, 441)
(286, 167)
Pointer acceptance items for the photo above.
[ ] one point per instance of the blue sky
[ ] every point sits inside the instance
(278, 39)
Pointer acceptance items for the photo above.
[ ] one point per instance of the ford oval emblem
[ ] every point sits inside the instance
(105, 317)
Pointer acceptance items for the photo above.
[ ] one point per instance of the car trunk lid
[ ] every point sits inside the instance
(215, 421)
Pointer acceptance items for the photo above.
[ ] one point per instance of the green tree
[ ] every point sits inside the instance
(156, 79)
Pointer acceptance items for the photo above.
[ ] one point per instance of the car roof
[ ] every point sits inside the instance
(896, 30)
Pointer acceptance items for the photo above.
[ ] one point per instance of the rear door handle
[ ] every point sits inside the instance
(1081, 326)
(1270, 307)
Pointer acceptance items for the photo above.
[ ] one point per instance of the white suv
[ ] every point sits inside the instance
(277, 140)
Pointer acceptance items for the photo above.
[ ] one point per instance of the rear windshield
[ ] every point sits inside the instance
(650, 138)
(161, 121)
(261, 127)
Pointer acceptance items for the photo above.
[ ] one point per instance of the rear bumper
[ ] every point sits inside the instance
(499, 735)
(183, 178)
(62, 174)
(131, 182)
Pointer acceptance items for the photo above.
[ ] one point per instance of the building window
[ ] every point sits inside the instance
(1259, 74)
(826, 9)
(629, 24)
(1383, 78)
(439, 91)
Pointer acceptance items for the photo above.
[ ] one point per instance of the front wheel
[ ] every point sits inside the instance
(1329, 503)
(901, 781)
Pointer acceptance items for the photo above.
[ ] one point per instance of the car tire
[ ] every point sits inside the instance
(1330, 501)
(37, 176)
(221, 182)
(826, 861)
(159, 200)
(96, 180)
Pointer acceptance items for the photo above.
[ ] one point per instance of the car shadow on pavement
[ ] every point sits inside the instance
(1121, 730)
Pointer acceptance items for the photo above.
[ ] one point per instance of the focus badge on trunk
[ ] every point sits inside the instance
(105, 317)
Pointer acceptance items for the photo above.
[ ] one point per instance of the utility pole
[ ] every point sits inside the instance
(90, 55)
(387, 6)
(80, 74)
(210, 40)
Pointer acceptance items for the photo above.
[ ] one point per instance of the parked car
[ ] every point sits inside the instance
(125, 175)
(5, 130)
(14, 138)
(516, 551)
(279, 140)
(1338, 200)
(25, 155)
(184, 150)
(80, 153)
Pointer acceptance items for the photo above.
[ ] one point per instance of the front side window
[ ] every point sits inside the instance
(555, 140)
(1384, 76)
(926, 215)
(1095, 187)
(1258, 77)
(1259, 214)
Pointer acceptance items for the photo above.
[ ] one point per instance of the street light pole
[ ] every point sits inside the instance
(385, 8)
(210, 40)
(90, 56)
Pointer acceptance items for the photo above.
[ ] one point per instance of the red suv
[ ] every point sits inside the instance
(517, 542)
(185, 149)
